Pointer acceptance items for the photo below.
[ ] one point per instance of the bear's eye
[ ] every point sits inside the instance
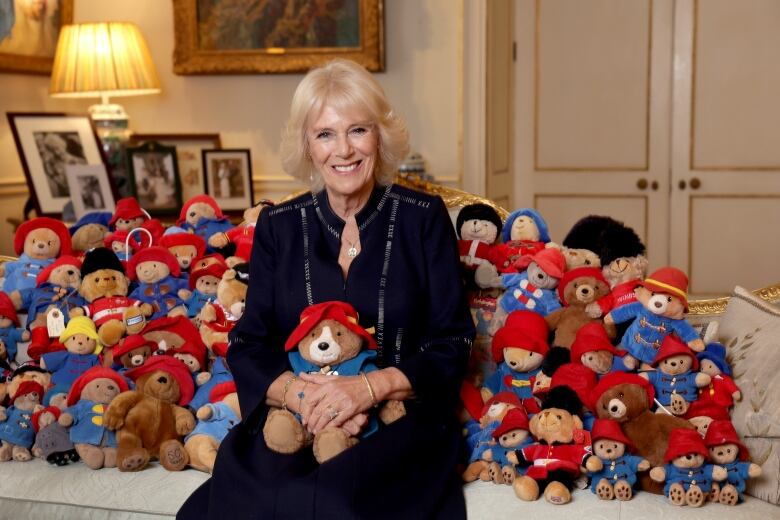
(587, 262)
(113, 278)
(97, 280)
(614, 446)
(669, 299)
(620, 395)
(604, 406)
(49, 242)
(530, 354)
(559, 417)
(338, 334)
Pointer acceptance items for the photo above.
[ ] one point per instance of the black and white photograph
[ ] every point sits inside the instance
(90, 188)
(155, 177)
(228, 178)
(49, 143)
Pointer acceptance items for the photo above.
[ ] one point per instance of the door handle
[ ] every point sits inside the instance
(654, 185)
(695, 183)
(641, 184)
(682, 184)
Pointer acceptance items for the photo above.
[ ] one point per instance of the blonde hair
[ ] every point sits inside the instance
(342, 84)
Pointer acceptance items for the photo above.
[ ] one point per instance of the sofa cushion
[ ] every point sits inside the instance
(750, 329)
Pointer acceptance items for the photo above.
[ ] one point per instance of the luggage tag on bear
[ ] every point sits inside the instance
(55, 323)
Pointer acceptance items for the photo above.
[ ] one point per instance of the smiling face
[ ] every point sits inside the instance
(676, 365)
(524, 228)
(724, 453)
(477, 229)
(151, 272)
(607, 449)
(344, 145)
(80, 344)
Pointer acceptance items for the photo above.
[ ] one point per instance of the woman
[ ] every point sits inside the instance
(391, 253)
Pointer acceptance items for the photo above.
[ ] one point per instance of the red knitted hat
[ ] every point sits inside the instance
(723, 432)
(179, 325)
(523, 329)
(153, 254)
(609, 429)
(120, 235)
(550, 260)
(342, 312)
(220, 390)
(514, 419)
(619, 378)
(683, 442)
(140, 240)
(7, 309)
(184, 239)
(172, 366)
(673, 346)
(215, 269)
(199, 198)
(133, 342)
(126, 209)
(62, 260)
(579, 378)
(27, 387)
(570, 276)
(700, 408)
(198, 351)
(37, 416)
(590, 338)
(668, 280)
(205, 261)
(90, 375)
(42, 222)
(502, 397)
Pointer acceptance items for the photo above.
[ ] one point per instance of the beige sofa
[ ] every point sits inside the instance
(35, 489)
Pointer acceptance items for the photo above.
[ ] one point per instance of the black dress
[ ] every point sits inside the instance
(405, 283)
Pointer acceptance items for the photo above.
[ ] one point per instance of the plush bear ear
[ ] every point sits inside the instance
(230, 274)
(577, 423)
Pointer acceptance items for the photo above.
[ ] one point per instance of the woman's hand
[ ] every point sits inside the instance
(333, 401)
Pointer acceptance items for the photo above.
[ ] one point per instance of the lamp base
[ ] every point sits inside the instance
(108, 112)
(110, 122)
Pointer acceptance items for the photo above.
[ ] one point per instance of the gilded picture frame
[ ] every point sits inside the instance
(29, 32)
(275, 36)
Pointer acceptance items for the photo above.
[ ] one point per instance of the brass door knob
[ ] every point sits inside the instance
(695, 183)
(641, 184)
(682, 184)
(654, 185)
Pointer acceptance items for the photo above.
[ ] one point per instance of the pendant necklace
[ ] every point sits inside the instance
(352, 251)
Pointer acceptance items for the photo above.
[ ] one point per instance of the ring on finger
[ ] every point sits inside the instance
(332, 413)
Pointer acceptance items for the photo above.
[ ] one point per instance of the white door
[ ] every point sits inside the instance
(592, 117)
(725, 203)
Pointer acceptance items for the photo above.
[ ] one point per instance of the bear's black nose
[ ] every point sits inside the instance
(657, 305)
(614, 408)
(323, 346)
(673, 363)
(585, 290)
(162, 380)
(41, 245)
(609, 450)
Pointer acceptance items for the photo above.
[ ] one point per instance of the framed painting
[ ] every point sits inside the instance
(228, 178)
(154, 178)
(91, 187)
(29, 31)
(47, 143)
(188, 156)
(275, 36)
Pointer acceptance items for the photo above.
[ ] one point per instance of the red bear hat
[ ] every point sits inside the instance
(570, 276)
(120, 235)
(220, 390)
(700, 408)
(43, 222)
(199, 198)
(523, 329)
(184, 239)
(126, 209)
(153, 254)
(590, 338)
(43, 276)
(668, 280)
(609, 429)
(550, 260)
(207, 260)
(172, 366)
(509, 398)
(36, 417)
(7, 309)
(198, 351)
(673, 346)
(90, 375)
(619, 378)
(683, 442)
(723, 432)
(514, 419)
(133, 342)
(312, 315)
(27, 387)
(215, 269)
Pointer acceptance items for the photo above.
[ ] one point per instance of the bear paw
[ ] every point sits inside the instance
(134, 460)
(526, 488)
(134, 319)
(21, 454)
(604, 490)
(392, 411)
(714, 492)
(509, 474)
(173, 456)
(494, 470)
(330, 442)
(678, 406)
(283, 433)
(677, 495)
(111, 332)
(557, 494)
(623, 490)
(695, 496)
(729, 496)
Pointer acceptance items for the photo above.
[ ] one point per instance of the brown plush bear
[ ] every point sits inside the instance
(128, 215)
(577, 289)
(219, 318)
(329, 341)
(89, 236)
(16, 430)
(185, 247)
(151, 420)
(579, 257)
(156, 270)
(134, 350)
(37, 242)
(215, 419)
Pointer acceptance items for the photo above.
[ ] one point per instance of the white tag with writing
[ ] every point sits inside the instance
(55, 323)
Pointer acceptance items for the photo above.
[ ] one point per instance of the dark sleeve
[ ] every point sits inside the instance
(437, 370)
(256, 357)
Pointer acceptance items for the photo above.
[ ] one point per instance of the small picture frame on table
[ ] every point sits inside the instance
(228, 178)
(154, 178)
(47, 143)
(90, 189)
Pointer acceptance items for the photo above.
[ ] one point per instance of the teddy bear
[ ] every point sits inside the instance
(582, 380)
(90, 231)
(52, 442)
(10, 331)
(576, 290)
(511, 435)
(203, 283)
(85, 417)
(477, 226)
(133, 351)
(660, 309)
(328, 340)
(104, 286)
(593, 349)
(215, 419)
(219, 317)
(16, 431)
(687, 479)
(721, 391)
(37, 242)
(206, 381)
(702, 413)
(128, 215)
(184, 246)
(242, 236)
(555, 460)
(676, 381)
(193, 355)
(579, 258)
(519, 347)
(617, 476)
(118, 243)
(155, 269)
(728, 452)
(56, 287)
(25, 372)
(525, 233)
(202, 215)
(207, 260)
(81, 340)
(168, 333)
(151, 420)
